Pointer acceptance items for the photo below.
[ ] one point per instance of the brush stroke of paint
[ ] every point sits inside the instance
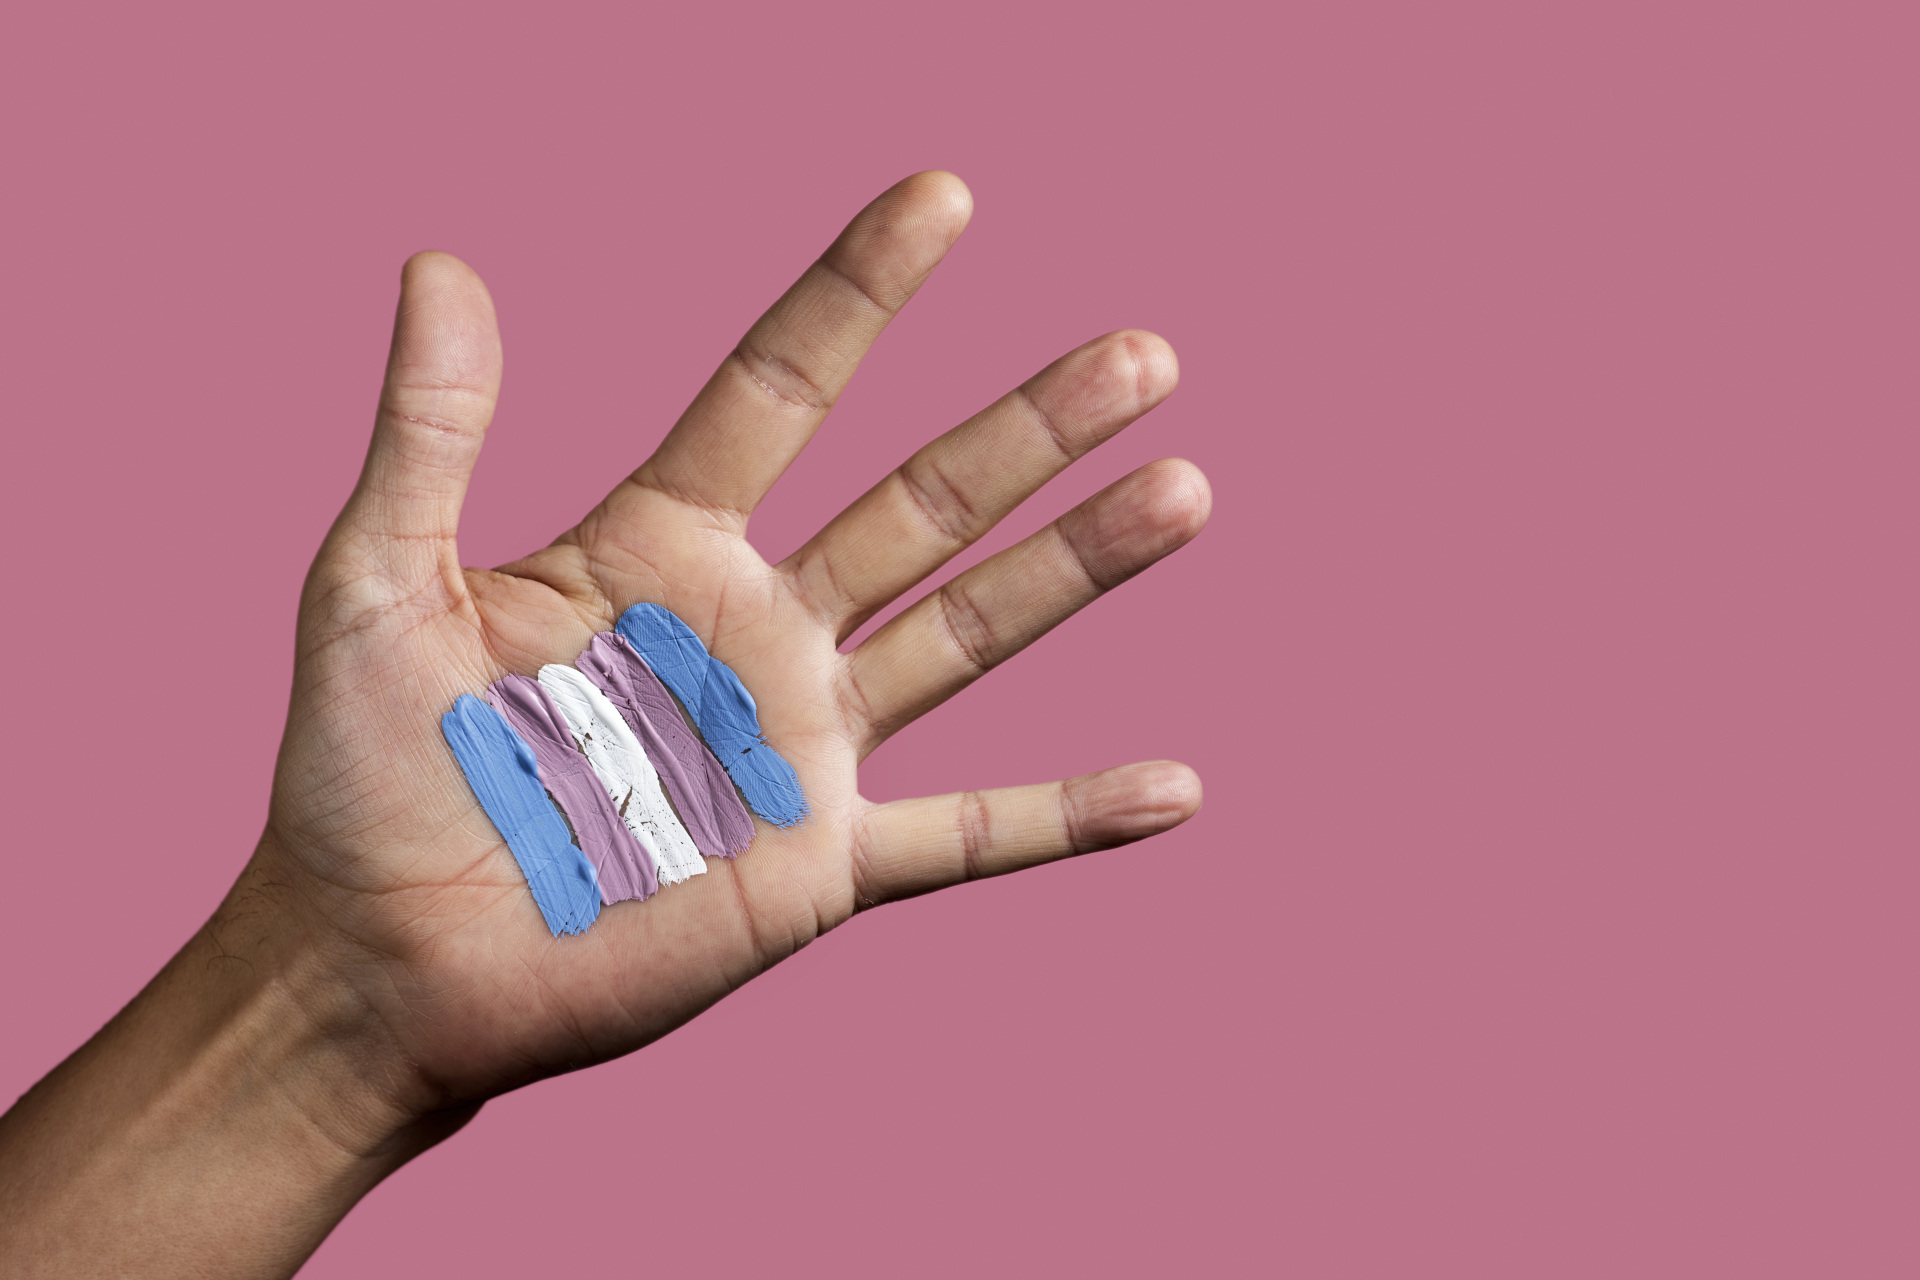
(625, 869)
(708, 804)
(631, 783)
(501, 770)
(721, 708)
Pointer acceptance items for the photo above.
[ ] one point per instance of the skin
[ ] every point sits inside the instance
(379, 969)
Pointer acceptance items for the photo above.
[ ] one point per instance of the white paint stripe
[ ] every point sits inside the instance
(624, 770)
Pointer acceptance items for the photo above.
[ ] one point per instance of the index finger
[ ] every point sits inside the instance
(774, 390)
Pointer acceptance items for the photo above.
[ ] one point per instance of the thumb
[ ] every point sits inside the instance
(443, 377)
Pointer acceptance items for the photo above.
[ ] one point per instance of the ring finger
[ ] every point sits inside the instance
(951, 492)
(957, 634)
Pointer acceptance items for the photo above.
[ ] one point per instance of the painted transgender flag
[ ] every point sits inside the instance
(597, 783)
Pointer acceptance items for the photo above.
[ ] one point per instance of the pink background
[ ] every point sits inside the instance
(1549, 660)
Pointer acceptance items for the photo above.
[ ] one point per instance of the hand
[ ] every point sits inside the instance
(380, 880)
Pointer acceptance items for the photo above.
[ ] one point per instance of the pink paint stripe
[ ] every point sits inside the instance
(624, 868)
(696, 783)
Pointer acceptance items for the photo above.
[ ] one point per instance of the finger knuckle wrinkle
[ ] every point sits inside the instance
(1049, 427)
(966, 629)
(817, 583)
(724, 516)
(436, 378)
(781, 380)
(1082, 553)
(867, 724)
(1072, 823)
(432, 431)
(866, 291)
(943, 505)
(974, 828)
(866, 888)
(856, 705)
(438, 426)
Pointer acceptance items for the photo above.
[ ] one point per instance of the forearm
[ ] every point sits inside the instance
(218, 1126)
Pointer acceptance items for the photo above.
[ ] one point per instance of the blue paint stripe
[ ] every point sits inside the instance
(721, 708)
(501, 770)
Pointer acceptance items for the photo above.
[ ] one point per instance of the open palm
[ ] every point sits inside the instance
(375, 841)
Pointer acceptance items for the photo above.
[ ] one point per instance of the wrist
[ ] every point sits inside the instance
(270, 985)
(226, 1118)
